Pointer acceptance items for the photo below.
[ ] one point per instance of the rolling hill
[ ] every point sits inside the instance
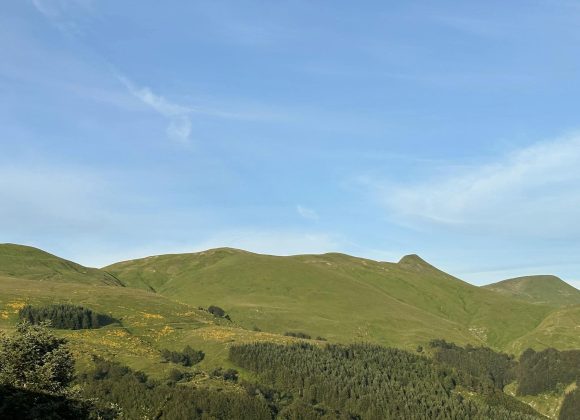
(341, 298)
(26, 262)
(549, 290)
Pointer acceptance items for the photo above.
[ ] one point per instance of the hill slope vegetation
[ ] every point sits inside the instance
(26, 262)
(340, 297)
(549, 290)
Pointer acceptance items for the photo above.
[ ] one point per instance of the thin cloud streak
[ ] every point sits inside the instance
(179, 128)
(180, 116)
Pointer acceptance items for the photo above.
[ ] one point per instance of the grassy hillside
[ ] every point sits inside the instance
(339, 297)
(560, 329)
(30, 263)
(549, 290)
(149, 323)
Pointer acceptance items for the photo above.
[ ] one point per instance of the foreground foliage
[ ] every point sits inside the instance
(35, 360)
(35, 373)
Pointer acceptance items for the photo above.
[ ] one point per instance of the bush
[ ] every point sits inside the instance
(187, 357)
(226, 375)
(216, 311)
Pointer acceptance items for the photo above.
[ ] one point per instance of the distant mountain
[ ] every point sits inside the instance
(549, 290)
(340, 297)
(34, 264)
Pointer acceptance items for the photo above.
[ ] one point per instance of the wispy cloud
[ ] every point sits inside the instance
(180, 116)
(179, 128)
(534, 191)
(307, 213)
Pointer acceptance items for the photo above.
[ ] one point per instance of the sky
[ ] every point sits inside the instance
(449, 129)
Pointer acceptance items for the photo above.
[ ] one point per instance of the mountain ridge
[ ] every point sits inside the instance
(337, 295)
(545, 289)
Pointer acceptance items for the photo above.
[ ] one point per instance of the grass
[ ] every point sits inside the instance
(30, 263)
(339, 297)
(150, 322)
(549, 290)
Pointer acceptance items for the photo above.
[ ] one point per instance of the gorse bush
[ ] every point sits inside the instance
(65, 316)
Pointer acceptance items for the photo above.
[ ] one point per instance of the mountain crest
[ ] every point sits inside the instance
(415, 262)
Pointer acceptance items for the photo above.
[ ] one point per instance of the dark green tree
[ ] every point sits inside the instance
(216, 311)
(36, 360)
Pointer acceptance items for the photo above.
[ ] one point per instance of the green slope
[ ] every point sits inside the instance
(339, 297)
(549, 290)
(149, 322)
(32, 263)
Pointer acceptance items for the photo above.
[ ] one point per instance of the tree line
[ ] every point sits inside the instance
(364, 381)
(536, 372)
(65, 316)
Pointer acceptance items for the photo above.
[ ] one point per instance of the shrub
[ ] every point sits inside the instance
(226, 375)
(216, 311)
(187, 357)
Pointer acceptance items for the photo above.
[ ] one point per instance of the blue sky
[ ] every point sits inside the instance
(448, 129)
